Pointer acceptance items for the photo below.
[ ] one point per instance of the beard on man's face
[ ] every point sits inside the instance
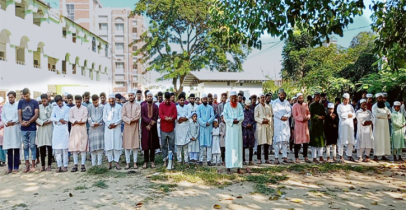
(381, 104)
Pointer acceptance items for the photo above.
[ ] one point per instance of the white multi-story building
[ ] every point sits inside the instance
(46, 51)
(121, 28)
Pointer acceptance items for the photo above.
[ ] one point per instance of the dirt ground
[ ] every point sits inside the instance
(381, 188)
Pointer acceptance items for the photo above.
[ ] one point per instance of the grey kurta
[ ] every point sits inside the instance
(193, 131)
(44, 132)
(96, 134)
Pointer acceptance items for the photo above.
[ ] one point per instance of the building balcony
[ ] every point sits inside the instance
(119, 71)
(37, 66)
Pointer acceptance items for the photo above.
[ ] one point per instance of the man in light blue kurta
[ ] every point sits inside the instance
(205, 118)
(233, 115)
(113, 143)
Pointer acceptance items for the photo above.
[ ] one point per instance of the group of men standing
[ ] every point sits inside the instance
(194, 132)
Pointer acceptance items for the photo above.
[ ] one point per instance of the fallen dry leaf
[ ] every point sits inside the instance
(273, 198)
(229, 199)
(239, 196)
(139, 204)
(296, 201)
(216, 206)
(374, 203)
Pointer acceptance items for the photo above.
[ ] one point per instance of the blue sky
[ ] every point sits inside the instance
(267, 61)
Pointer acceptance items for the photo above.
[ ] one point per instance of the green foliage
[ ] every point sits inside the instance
(263, 189)
(163, 187)
(81, 187)
(101, 184)
(389, 21)
(244, 21)
(97, 170)
(180, 40)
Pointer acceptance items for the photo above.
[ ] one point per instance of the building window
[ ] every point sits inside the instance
(134, 30)
(71, 11)
(135, 66)
(106, 49)
(74, 38)
(103, 27)
(119, 28)
(119, 47)
(94, 44)
(135, 48)
(134, 22)
(119, 65)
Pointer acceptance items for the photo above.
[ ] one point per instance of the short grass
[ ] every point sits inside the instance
(323, 168)
(163, 187)
(263, 189)
(104, 172)
(81, 187)
(101, 184)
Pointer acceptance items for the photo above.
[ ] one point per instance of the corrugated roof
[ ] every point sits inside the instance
(201, 76)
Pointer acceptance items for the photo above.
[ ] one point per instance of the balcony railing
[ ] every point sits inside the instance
(37, 66)
(3, 59)
(20, 63)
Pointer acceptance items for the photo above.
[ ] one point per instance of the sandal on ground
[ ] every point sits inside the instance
(59, 170)
(119, 168)
(27, 169)
(287, 161)
(126, 168)
(8, 171)
(83, 168)
(277, 162)
(268, 162)
(135, 166)
(65, 169)
(15, 171)
(384, 158)
(49, 168)
(308, 161)
(351, 159)
(43, 169)
(144, 166)
(153, 165)
(74, 169)
(110, 167)
(259, 162)
(297, 161)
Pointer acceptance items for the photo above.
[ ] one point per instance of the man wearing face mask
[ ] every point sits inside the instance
(381, 114)
(282, 112)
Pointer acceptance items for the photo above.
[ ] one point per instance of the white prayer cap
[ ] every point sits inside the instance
(299, 94)
(330, 105)
(261, 94)
(38, 98)
(132, 91)
(293, 98)
(1, 99)
(222, 114)
(112, 96)
(396, 103)
(346, 95)
(378, 95)
(362, 101)
(384, 94)
(215, 120)
(248, 103)
(369, 95)
(215, 95)
(150, 93)
(233, 93)
(281, 90)
(204, 95)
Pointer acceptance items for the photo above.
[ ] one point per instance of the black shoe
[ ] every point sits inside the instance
(209, 163)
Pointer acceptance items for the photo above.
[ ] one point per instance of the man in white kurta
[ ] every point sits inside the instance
(192, 105)
(263, 116)
(113, 143)
(60, 135)
(12, 132)
(381, 114)
(78, 141)
(282, 112)
(346, 114)
(233, 115)
(181, 128)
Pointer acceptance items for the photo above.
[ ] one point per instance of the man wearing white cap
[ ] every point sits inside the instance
(131, 115)
(381, 114)
(113, 143)
(369, 101)
(346, 114)
(398, 134)
(205, 117)
(301, 115)
(263, 116)
(365, 137)
(282, 112)
(233, 115)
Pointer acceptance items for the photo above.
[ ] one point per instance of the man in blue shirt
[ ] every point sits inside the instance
(28, 111)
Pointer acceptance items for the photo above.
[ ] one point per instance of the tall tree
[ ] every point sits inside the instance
(180, 40)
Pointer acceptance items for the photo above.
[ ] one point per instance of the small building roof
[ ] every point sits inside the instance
(193, 78)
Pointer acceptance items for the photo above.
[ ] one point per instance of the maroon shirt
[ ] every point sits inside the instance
(167, 111)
